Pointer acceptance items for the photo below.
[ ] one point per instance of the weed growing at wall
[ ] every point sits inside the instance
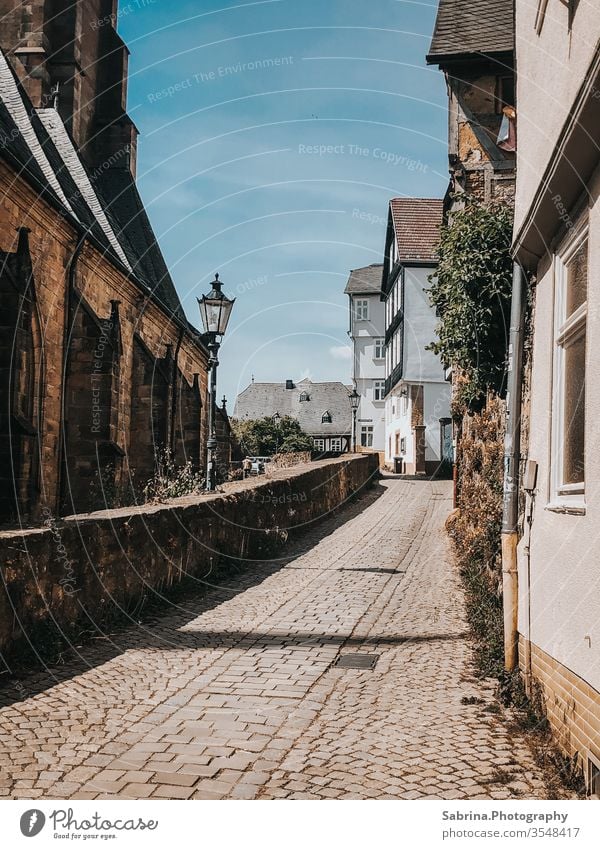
(475, 529)
(171, 480)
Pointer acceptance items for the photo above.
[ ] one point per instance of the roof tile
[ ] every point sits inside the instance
(363, 281)
(417, 223)
(472, 26)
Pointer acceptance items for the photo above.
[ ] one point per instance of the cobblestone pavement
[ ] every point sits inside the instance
(233, 695)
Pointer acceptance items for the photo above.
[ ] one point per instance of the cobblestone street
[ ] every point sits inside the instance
(233, 694)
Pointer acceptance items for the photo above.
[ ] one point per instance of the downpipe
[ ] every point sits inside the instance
(512, 451)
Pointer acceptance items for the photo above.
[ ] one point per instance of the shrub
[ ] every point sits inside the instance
(264, 437)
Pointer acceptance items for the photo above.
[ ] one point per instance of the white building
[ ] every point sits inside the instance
(557, 239)
(367, 331)
(417, 396)
(322, 410)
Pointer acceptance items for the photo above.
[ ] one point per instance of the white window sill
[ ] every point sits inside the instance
(571, 506)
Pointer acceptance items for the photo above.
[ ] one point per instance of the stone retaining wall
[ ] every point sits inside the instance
(88, 568)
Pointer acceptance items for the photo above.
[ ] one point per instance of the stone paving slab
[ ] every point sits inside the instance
(234, 694)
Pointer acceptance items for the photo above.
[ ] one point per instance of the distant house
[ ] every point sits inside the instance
(367, 331)
(322, 409)
(417, 396)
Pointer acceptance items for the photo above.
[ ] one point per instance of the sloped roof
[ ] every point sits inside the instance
(126, 211)
(475, 27)
(364, 281)
(108, 206)
(417, 223)
(72, 163)
(265, 399)
(31, 148)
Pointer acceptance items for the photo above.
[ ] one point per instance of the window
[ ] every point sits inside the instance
(505, 92)
(568, 403)
(379, 390)
(336, 444)
(319, 444)
(304, 396)
(326, 417)
(361, 310)
(403, 445)
(366, 436)
(379, 349)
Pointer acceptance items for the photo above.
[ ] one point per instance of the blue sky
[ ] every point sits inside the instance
(273, 135)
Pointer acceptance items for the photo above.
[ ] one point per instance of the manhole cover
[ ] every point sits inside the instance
(357, 661)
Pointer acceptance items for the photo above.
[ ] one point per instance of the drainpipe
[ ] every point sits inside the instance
(512, 449)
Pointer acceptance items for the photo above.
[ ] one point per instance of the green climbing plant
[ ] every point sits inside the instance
(471, 293)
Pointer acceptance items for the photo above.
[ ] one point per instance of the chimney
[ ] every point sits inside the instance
(289, 384)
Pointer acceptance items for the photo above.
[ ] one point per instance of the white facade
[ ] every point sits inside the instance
(417, 407)
(367, 331)
(557, 237)
(422, 384)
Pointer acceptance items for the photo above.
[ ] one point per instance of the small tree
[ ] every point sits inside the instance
(265, 437)
(471, 292)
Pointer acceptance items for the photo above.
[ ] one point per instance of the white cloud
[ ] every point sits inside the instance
(341, 352)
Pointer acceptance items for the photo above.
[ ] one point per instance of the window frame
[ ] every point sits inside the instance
(379, 345)
(318, 443)
(361, 305)
(335, 441)
(379, 390)
(366, 436)
(566, 496)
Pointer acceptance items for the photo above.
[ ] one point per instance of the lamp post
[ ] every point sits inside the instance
(276, 422)
(354, 402)
(215, 310)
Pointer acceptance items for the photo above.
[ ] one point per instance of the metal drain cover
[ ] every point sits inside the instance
(357, 661)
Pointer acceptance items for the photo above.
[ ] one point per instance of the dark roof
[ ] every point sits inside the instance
(363, 281)
(417, 223)
(32, 144)
(265, 399)
(108, 206)
(126, 211)
(472, 27)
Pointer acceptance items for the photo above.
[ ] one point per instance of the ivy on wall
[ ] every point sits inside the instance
(471, 293)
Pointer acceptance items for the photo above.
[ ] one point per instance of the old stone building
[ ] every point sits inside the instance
(473, 44)
(99, 368)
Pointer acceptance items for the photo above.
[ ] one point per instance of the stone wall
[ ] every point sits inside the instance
(37, 246)
(83, 571)
(290, 458)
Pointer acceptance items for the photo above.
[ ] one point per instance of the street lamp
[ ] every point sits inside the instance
(215, 310)
(354, 402)
(276, 422)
